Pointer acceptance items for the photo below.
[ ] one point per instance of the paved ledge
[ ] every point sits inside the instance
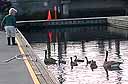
(15, 71)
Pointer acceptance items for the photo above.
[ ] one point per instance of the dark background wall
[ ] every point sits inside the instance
(37, 9)
(90, 8)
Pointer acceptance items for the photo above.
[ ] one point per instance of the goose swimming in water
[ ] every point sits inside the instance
(111, 64)
(78, 60)
(49, 61)
(93, 65)
(73, 63)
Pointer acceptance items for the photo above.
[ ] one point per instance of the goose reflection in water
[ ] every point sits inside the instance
(119, 73)
(61, 72)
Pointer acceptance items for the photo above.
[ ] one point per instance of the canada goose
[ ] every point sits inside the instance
(49, 61)
(73, 63)
(93, 65)
(78, 60)
(87, 62)
(111, 64)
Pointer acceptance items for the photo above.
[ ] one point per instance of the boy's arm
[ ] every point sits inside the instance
(2, 24)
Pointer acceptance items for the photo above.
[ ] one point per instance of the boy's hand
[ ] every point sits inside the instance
(2, 29)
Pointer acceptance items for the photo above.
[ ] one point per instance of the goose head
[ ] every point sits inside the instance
(71, 59)
(75, 58)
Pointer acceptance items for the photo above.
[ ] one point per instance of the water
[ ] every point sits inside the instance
(91, 42)
(118, 51)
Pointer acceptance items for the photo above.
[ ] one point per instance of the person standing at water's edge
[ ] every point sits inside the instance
(9, 24)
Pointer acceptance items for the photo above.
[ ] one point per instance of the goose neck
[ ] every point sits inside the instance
(45, 54)
(106, 56)
(86, 59)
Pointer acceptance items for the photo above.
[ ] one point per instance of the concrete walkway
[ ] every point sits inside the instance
(15, 71)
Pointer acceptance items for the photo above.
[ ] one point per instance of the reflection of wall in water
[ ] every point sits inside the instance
(117, 47)
(119, 31)
(101, 46)
(68, 33)
(109, 44)
(75, 34)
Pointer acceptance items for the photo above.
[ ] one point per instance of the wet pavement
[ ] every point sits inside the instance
(14, 71)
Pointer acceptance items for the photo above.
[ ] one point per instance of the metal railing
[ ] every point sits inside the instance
(65, 22)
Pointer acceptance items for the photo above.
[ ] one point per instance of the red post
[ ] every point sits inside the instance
(49, 33)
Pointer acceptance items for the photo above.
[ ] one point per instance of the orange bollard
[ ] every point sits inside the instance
(49, 33)
(49, 15)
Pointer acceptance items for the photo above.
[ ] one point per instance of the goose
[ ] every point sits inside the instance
(78, 60)
(49, 61)
(111, 64)
(73, 63)
(93, 65)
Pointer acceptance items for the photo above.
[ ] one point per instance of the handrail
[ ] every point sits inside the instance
(33, 21)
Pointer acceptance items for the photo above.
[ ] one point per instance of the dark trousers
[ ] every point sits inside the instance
(9, 40)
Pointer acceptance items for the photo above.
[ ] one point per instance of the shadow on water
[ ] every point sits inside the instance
(88, 42)
(86, 33)
(119, 73)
